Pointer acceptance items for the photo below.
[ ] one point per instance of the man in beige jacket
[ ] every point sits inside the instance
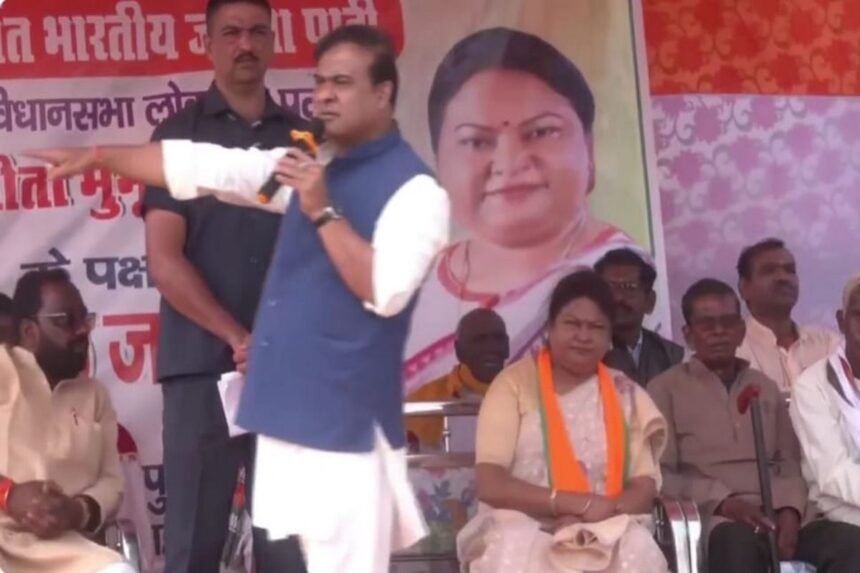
(710, 454)
(60, 476)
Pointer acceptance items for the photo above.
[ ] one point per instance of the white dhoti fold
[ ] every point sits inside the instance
(350, 510)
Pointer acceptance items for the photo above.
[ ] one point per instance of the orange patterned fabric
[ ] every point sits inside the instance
(803, 47)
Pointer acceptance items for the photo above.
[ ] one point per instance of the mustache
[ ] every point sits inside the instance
(779, 285)
(246, 57)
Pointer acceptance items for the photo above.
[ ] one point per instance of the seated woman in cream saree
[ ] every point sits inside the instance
(567, 454)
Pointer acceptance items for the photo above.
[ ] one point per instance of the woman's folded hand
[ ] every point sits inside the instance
(564, 521)
(601, 508)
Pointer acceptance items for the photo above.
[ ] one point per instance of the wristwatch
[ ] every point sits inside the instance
(326, 215)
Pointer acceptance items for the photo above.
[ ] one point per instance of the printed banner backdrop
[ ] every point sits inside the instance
(757, 127)
(97, 72)
(499, 241)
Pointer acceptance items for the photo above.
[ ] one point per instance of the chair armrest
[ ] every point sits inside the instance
(446, 408)
(694, 534)
(670, 532)
(121, 536)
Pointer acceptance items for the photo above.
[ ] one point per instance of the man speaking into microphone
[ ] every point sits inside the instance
(324, 388)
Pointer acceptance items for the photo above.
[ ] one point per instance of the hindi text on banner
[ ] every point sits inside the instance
(69, 114)
(110, 190)
(26, 188)
(16, 46)
(140, 341)
(320, 21)
(113, 272)
(126, 35)
(59, 260)
(161, 106)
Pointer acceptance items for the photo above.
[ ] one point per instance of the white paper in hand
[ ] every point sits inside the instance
(230, 388)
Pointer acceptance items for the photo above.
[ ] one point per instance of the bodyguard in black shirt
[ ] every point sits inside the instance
(209, 260)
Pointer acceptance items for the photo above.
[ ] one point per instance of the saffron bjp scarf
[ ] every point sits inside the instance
(565, 471)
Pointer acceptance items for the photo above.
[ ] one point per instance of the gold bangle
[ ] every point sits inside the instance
(587, 505)
(553, 510)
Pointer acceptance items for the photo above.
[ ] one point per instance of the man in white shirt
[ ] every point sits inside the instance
(825, 412)
(774, 343)
(324, 388)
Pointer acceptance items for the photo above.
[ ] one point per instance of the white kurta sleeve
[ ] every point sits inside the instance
(194, 170)
(107, 489)
(816, 421)
(413, 227)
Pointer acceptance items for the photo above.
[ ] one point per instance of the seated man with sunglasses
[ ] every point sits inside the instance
(710, 455)
(60, 476)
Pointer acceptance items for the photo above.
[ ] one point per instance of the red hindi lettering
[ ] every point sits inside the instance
(110, 191)
(27, 187)
(134, 189)
(141, 336)
(100, 182)
(161, 37)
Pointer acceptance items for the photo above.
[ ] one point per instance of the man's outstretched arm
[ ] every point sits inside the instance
(141, 163)
(185, 168)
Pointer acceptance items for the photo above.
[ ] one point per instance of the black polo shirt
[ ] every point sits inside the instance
(229, 246)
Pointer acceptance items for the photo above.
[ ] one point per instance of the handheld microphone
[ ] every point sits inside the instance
(308, 141)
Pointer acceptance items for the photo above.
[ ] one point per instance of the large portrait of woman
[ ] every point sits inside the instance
(517, 138)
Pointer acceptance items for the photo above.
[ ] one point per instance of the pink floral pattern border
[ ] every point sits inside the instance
(736, 169)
